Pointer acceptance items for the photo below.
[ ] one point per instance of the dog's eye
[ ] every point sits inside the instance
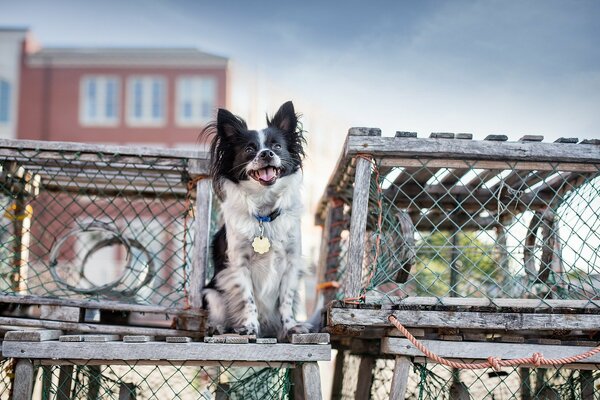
(249, 149)
(277, 146)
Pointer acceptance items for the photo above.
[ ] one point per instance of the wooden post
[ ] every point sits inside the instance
(338, 376)
(127, 391)
(365, 378)
(201, 242)
(312, 381)
(586, 380)
(21, 231)
(93, 391)
(64, 382)
(298, 384)
(525, 388)
(400, 378)
(358, 224)
(23, 383)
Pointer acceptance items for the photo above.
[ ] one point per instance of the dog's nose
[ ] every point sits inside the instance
(266, 155)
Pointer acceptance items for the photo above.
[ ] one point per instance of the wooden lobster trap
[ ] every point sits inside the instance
(108, 235)
(461, 240)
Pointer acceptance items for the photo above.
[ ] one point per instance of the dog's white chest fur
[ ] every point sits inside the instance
(243, 201)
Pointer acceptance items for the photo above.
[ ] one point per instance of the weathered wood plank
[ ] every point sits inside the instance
(138, 338)
(358, 223)
(178, 339)
(96, 328)
(40, 335)
(99, 305)
(168, 351)
(472, 150)
(312, 381)
(465, 320)
(65, 379)
(365, 378)
(400, 378)
(496, 138)
(482, 350)
(492, 165)
(310, 338)
(202, 240)
(538, 304)
(75, 147)
(338, 376)
(23, 383)
(60, 313)
(71, 338)
(100, 338)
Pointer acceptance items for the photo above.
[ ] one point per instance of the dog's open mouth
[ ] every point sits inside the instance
(265, 176)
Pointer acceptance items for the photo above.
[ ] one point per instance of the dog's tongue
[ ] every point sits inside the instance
(266, 174)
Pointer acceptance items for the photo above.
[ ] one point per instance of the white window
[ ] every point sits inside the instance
(4, 101)
(146, 100)
(99, 100)
(196, 97)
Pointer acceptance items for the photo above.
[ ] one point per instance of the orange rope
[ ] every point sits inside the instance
(496, 363)
(328, 285)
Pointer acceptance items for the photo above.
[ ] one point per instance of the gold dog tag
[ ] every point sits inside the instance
(261, 245)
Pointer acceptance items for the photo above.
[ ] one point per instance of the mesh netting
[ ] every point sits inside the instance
(478, 229)
(434, 381)
(65, 216)
(6, 378)
(139, 381)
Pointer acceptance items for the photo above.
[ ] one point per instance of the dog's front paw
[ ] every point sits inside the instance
(216, 330)
(249, 328)
(301, 327)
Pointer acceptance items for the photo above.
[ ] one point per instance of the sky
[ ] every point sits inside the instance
(484, 67)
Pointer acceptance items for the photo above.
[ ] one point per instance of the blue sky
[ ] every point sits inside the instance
(512, 67)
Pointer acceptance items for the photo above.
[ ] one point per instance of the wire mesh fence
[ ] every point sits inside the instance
(142, 381)
(435, 381)
(7, 374)
(459, 228)
(96, 225)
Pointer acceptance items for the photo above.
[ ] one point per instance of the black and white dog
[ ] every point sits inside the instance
(257, 176)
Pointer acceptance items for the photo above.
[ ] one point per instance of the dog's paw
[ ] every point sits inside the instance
(301, 327)
(250, 328)
(216, 330)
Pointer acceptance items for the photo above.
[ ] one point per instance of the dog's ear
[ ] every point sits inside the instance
(228, 125)
(285, 118)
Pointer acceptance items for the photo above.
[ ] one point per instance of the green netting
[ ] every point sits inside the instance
(6, 378)
(475, 229)
(65, 216)
(428, 381)
(138, 381)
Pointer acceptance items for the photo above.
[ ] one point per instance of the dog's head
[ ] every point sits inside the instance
(261, 157)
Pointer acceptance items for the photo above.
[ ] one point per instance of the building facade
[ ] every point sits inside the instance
(150, 96)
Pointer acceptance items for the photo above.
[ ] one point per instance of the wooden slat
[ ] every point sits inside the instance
(481, 350)
(65, 380)
(74, 147)
(23, 383)
(312, 381)
(465, 320)
(396, 161)
(400, 378)
(358, 223)
(40, 335)
(365, 378)
(540, 305)
(167, 351)
(202, 240)
(96, 328)
(98, 305)
(472, 150)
